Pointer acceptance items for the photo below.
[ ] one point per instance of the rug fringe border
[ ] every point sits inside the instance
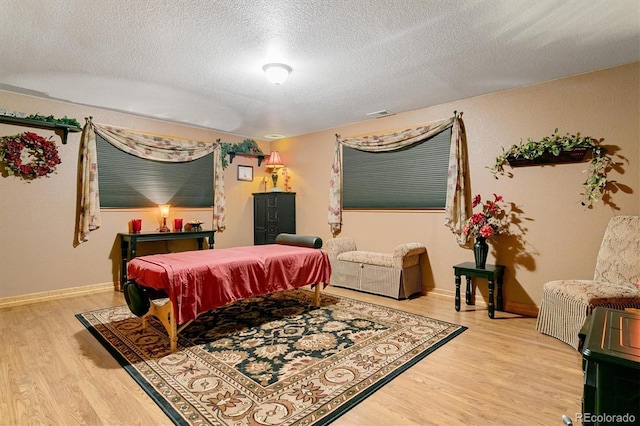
(173, 414)
(178, 419)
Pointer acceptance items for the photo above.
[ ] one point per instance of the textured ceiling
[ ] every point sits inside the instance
(200, 61)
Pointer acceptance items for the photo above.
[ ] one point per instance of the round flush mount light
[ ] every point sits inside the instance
(274, 136)
(277, 73)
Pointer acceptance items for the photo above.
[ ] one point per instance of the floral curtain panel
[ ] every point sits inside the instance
(143, 145)
(455, 204)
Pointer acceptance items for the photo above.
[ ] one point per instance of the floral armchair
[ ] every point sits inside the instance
(566, 304)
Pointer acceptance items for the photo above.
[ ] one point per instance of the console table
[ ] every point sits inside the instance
(129, 242)
(491, 273)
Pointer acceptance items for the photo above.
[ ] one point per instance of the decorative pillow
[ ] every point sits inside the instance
(299, 240)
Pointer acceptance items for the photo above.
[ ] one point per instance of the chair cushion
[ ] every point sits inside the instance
(368, 257)
(594, 292)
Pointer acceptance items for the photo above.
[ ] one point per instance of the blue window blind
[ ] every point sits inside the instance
(411, 178)
(127, 181)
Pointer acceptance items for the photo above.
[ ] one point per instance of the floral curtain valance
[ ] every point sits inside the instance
(153, 147)
(143, 145)
(455, 205)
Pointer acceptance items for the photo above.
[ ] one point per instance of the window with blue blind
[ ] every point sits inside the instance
(127, 181)
(411, 178)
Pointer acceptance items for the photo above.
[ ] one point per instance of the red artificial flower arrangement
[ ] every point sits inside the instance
(42, 152)
(487, 223)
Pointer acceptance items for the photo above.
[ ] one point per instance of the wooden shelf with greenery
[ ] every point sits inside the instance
(576, 155)
(233, 154)
(64, 129)
(246, 148)
(556, 149)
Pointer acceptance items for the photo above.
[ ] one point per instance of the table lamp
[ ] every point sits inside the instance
(274, 163)
(164, 213)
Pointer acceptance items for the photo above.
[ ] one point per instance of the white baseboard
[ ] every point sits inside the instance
(452, 295)
(55, 294)
(513, 307)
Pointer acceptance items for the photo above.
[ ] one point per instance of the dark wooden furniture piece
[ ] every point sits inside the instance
(491, 273)
(273, 213)
(129, 243)
(611, 365)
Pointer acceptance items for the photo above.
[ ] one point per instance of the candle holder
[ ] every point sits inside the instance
(136, 226)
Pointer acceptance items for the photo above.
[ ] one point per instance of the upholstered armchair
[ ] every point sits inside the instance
(566, 304)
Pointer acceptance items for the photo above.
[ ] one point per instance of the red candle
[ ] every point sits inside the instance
(136, 225)
(177, 225)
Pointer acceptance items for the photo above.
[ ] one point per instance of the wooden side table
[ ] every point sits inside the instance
(129, 243)
(491, 273)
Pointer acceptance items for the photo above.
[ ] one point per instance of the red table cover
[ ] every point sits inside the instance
(202, 280)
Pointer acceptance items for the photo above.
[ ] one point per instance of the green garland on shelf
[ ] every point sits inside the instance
(247, 146)
(599, 164)
(51, 119)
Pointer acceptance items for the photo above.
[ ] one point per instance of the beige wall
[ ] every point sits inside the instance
(37, 218)
(558, 237)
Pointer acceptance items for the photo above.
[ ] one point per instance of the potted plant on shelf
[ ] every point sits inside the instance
(246, 147)
(561, 149)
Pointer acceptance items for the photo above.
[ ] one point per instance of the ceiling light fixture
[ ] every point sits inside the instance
(274, 136)
(277, 73)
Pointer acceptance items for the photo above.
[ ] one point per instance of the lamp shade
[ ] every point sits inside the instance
(164, 210)
(274, 161)
(277, 73)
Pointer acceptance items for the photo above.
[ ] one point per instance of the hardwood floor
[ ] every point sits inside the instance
(501, 371)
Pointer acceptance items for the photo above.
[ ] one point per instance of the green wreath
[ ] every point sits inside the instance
(42, 152)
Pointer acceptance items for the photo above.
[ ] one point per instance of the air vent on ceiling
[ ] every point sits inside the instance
(378, 114)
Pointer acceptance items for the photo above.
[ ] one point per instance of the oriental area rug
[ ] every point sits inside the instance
(270, 360)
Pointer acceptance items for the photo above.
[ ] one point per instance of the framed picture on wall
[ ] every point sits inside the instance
(245, 173)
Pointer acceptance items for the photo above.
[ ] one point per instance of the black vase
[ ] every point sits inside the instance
(480, 251)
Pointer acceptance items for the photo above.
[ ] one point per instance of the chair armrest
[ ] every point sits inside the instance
(408, 254)
(336, 246)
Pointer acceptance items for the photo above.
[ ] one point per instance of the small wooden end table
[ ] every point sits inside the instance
(491, 273)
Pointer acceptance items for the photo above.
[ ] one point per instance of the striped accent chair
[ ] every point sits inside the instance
(566, 304)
